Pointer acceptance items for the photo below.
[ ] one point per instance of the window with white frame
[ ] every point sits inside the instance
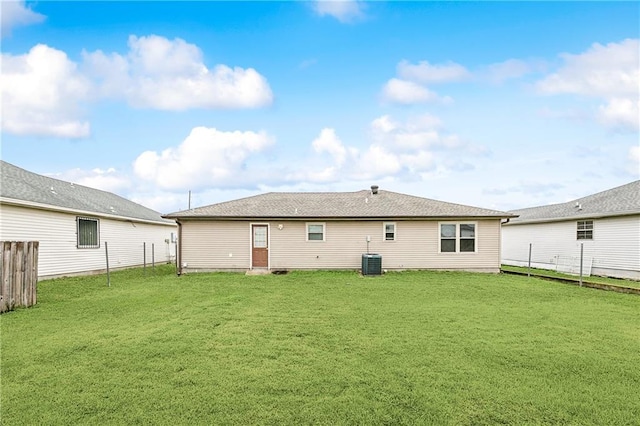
(88, 231)
(585, 230)
(389, 231)
(315, 231)
(467, 237)
(457, 237)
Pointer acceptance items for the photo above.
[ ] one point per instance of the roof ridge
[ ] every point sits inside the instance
(264, 194)
(356, 204)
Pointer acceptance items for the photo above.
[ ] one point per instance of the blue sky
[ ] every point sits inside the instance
(495, 104)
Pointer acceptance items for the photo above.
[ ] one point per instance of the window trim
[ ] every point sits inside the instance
(87, 246)
(324, 231)
(458, 237)
(587, 230)
(384, 231)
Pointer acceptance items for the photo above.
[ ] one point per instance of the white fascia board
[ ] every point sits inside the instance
(572, 218)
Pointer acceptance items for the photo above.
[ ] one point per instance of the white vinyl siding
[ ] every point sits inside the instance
(225, 245)
(615, 249)
(59, 254)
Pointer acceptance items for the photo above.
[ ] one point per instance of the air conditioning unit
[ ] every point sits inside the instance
(371, 264)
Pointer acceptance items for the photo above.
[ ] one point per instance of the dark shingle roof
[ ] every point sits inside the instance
(22, 185)
(360, 204)
(620, 201)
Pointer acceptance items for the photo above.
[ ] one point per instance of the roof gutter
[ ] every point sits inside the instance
(345, 218)
(573, 218)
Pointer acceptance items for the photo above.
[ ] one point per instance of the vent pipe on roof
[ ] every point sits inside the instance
(374, 189)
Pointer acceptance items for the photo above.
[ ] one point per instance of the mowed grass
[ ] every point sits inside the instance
(321, 348)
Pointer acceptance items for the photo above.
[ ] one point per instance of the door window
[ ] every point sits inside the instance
(260, 236)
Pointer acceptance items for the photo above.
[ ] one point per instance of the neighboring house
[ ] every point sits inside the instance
(72, 223)
(286, 231)
(604, 226)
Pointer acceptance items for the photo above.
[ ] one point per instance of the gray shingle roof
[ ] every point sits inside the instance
(360, 204)
(620, 201)
(20, 184)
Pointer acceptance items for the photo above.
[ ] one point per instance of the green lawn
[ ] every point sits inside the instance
(321, 348)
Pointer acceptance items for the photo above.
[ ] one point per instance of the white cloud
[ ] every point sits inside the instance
(407, 92)
(603, 70)
(410, 88)
(105, 179)
(424, 72)
(608, 72)
(343, 10)
(162, 201)
(415, 135)
(383, 124)
(406, 150)
(328, 142)
(622, 113)
(42, 92)
(413, 81)
(16, 13)
(170, 75)
(207, 157)
(509, 69)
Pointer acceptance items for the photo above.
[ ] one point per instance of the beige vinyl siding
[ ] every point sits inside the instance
(614, 250)
(415, 246)
(215, 245)
(59, 255)
(207, 244)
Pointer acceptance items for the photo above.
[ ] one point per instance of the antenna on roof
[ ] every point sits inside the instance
(189, 199)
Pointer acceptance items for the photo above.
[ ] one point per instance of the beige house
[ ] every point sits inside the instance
(295, 231)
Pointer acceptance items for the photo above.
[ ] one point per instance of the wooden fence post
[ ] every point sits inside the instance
(7, 269)
(19, 274)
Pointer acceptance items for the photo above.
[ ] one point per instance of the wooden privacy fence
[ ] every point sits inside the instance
(19, 268)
